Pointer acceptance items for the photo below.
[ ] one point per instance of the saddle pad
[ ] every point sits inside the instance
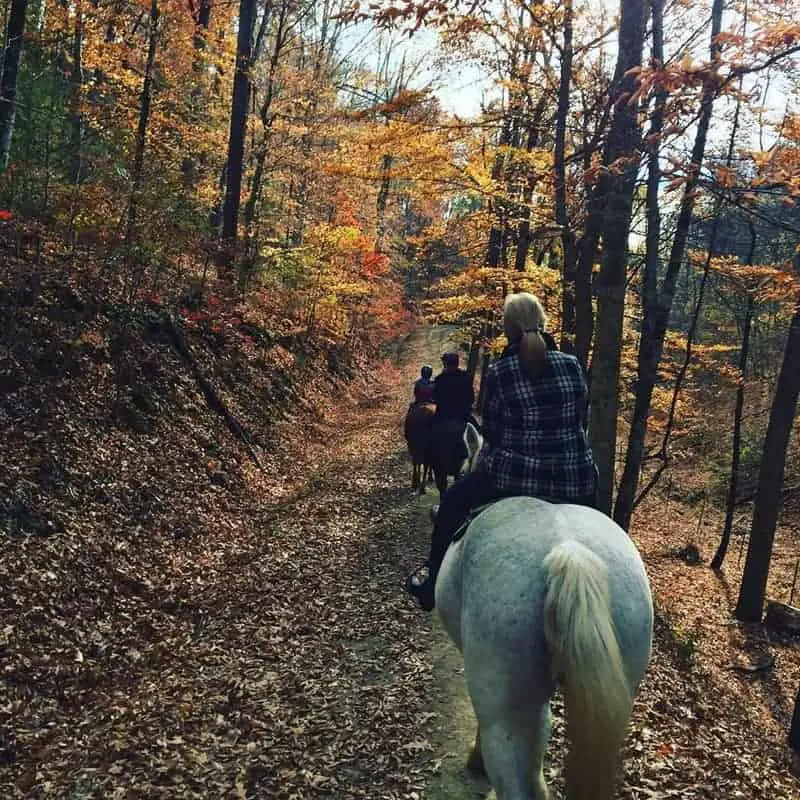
(476, 512)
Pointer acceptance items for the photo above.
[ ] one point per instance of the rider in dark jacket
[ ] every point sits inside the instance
(454, 396)
(453, 391)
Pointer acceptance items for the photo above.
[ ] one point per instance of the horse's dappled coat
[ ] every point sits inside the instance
(536, 593)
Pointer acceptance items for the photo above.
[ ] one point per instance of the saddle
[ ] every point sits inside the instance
(471, 517)
(476, 512)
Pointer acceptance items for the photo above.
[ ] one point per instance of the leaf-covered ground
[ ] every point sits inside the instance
(178, 623)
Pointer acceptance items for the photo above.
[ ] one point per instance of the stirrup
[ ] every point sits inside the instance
(419, 577)
(424, 590)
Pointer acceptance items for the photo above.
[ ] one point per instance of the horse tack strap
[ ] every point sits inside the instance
(476, 512)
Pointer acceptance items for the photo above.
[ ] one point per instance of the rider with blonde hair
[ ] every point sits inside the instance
(533, 429)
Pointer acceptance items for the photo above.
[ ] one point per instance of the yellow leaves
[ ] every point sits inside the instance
(341, 238)
(791, 127)
(765, 282)
(687, 63)
(777, 36)
(418, 152)
(475, 296)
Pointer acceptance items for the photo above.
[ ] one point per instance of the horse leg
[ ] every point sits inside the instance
(425, 469)
(512, 749)
(415, 476)
(511, 698)
(475, 759)
(440, 476)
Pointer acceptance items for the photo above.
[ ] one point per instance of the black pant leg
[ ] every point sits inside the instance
(473, 490)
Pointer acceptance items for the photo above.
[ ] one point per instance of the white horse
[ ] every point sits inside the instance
(539, 596)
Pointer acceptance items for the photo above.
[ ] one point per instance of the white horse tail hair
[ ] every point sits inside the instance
(588, 664)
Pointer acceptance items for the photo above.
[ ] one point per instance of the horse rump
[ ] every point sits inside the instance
(416, 428)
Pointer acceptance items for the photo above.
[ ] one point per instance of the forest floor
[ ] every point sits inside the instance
(261, 645)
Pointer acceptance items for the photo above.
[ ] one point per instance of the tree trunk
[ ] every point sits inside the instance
(474, 355)
(264, 112)
(238, 129)
(383, 200)
(202, 21)
(524, 229)
(497, 207)
(638, 432)
(75, 116)
(770, 476)
(145, 100)
(656, 310)
(623, 143)
(485, 361)
(569, 252)
(15, 32)
(325, 44)
(586, 255)
(794, 730)
(733, 484)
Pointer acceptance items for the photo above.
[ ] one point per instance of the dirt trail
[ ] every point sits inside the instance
(455, 721)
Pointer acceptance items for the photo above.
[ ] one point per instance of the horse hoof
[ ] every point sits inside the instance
(475, 764)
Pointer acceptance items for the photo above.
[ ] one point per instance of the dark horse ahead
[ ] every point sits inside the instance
(443, 447)
(417, 429)
(447, 451)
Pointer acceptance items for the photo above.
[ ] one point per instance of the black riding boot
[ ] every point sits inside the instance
(424, 588)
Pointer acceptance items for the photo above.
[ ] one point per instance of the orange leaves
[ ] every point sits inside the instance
(725, 177)
(764, 282)
(374, 264)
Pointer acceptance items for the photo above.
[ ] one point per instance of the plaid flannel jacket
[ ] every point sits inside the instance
(535, 443)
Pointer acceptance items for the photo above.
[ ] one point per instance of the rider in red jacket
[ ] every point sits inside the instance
(424, 387)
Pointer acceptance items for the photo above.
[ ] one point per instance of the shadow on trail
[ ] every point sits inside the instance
(391, 495)
(455, 727)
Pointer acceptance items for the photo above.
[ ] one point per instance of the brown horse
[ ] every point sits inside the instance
(417, 432)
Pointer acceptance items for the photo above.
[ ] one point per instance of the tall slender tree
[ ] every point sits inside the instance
(770, 475)
(145, 103)
(76, 82)
(238, 129)
(617, 188)
(559, 161)
(657, 305)
(15, 32)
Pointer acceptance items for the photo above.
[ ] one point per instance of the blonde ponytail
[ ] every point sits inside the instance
(533, 352)
(524, 320)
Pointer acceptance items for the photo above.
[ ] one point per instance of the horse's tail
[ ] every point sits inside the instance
(588, 663)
